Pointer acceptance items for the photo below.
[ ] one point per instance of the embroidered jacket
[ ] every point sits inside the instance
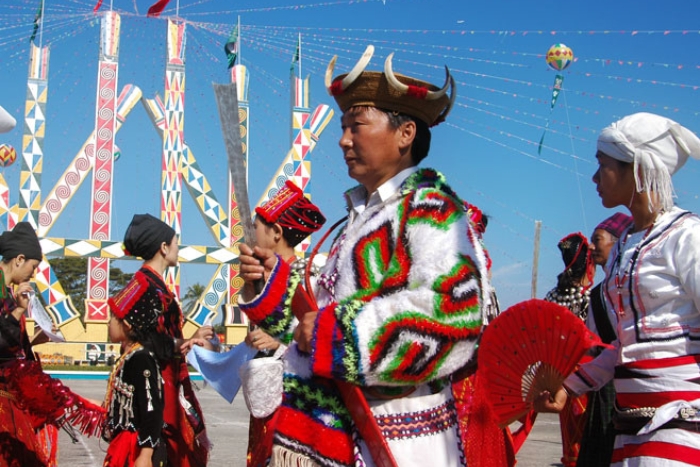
(400, 301)
(135, 398)
(657, 304)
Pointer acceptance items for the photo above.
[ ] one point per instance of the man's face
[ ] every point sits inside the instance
(264, 234)
(371, 147)
(601, 243)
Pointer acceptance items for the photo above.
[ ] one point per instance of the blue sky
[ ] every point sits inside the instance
(631, 56)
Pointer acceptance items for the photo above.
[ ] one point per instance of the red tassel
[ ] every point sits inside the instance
(48, 401)
(157, 8)
(87, 417)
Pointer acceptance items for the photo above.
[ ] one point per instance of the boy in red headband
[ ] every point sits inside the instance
(281, 224)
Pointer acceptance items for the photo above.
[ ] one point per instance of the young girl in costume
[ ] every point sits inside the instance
(281, 224)
(32, 403)
(184, 433)
(134, 398)
(573, 292)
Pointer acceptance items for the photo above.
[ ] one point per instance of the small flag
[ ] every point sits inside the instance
(556, 90)
(231, 47)
(97, 7)
(295, 59)
(37, 20)
(157, 8)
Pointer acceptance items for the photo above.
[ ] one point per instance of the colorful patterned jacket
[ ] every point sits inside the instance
(400, 303)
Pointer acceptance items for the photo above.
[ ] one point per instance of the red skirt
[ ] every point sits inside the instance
(185, 435)
(19, 443)
(123, 451)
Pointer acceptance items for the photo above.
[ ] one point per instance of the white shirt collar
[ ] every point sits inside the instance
(359, 201)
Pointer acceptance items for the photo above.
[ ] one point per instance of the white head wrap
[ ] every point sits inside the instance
(7, 121)
(657, 146)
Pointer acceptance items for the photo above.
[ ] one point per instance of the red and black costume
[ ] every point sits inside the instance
(29, 398)
(184, 431)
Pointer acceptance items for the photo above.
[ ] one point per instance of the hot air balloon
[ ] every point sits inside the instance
(8, 155)
(559, 57)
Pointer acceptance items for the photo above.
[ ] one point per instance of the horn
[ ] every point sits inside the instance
(453, 97)
(391, 78)
(329, 74)
(434, 95)
(354, 73)
(403, 88)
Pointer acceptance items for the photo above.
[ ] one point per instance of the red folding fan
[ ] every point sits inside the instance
(531, 347)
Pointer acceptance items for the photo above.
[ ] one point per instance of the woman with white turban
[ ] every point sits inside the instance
(653, 285)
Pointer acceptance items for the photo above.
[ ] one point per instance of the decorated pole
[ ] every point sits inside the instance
(33, 138)
(59, 197)
(103, 166)
(173, 140)
(212, 212)
(301, 133)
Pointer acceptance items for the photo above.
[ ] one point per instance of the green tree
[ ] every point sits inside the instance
(191, 296)
(72, 274)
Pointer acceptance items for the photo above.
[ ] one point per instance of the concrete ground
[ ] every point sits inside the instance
(227, 425)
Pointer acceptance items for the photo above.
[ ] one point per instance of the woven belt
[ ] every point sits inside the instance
(7, 395)
(648, 412)
(630, 421)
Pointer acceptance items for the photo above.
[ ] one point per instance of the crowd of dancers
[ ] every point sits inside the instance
(374, 353)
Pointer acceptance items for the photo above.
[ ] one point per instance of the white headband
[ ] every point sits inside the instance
(657, 146)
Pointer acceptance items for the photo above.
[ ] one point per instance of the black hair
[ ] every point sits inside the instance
(292, 236)
(421, 142)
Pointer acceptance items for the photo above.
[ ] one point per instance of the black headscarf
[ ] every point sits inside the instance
(576, 255)
(145, 235)
(21, 240)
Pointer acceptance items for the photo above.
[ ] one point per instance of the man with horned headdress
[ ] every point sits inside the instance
(399, 302)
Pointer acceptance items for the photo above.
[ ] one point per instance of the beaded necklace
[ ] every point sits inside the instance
(575, 299)
(620, 280)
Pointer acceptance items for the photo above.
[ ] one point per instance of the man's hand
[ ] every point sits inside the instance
(304, 332)
(189, 343)
(260, 340)
(551, 403)
(23, 293)
(256, 264)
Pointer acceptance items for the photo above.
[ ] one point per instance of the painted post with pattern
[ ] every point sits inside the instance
(103, 165)
(173, 140)
(301, 142)
(33, 138)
